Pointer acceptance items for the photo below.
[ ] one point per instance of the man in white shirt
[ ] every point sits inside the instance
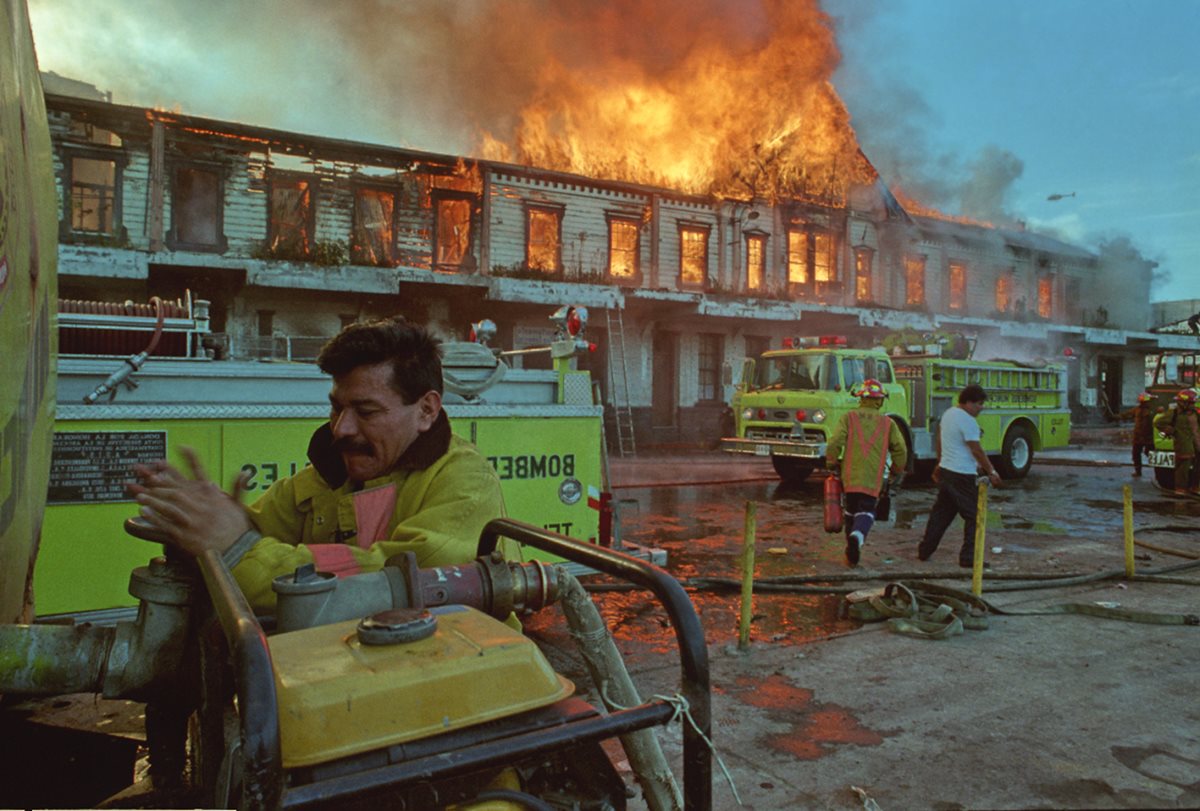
(960, 458)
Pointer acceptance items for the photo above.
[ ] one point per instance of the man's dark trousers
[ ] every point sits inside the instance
(958, 494)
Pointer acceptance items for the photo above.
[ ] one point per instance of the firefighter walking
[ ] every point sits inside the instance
(1142, 415)
(862, 439)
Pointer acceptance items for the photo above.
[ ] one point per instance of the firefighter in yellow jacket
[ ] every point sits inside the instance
(387, 477)
(862, 439)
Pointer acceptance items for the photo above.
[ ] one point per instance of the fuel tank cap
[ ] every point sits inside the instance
(396, 626)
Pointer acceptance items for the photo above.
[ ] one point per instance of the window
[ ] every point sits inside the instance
(543, 239)
(623, 248)
(810, 256)
(197, 209)
(709, 375)
(372, 240)
(797, 256)
(1045, 299)
(290, 217)
(453, 249)
(94, 198)
(863, 259)
(1004, 292)
(914, 281)
(693, 255)
(266, 323)
(823, 269)
(756, 261)
(958, 286)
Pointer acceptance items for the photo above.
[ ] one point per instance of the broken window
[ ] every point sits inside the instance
(797, 257)
(958, 286)
(453, 249)
(756, 261)
(1045, 299)
(543, 239)
(623, 248)
(693, 255)
(863, 259)
(373, 240)
(914, 281)
(1004, 292)
(197, 209)
(709, 367)
(290, 218)
(94, 200)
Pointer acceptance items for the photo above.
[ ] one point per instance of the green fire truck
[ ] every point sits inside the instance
(1166, 374)
(789, 400)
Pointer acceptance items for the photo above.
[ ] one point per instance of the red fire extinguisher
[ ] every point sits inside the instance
(833, 503)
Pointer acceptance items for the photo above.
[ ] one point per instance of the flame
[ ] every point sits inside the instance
(735, 100)
(919, 209)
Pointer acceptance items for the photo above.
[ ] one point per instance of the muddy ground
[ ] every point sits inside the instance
(820, 711)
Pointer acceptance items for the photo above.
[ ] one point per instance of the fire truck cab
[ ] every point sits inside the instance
(1166, 374)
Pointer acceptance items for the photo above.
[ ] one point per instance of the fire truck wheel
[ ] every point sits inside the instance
(1017, 453)
(1164, 477)
(792, 471)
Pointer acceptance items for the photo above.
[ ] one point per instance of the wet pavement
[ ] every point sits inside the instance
(1034, 712)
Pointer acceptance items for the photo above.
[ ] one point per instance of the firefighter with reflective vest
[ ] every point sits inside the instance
(1142, 415)
(1183, 426)
(862, 439)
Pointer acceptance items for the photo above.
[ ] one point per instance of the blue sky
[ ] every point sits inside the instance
(1096, 97)
(982, 108)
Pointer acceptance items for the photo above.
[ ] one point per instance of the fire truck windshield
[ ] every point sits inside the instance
(809, 371)
(1176, 370)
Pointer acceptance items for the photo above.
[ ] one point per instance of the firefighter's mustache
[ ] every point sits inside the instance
(350, 446)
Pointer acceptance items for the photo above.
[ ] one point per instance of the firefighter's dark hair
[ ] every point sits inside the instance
(972, 393)
(415, 355)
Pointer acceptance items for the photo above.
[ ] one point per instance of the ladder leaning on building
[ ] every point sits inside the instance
(618, 375)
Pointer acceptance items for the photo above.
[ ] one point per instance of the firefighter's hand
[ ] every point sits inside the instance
(994, 478)
(193, 512)
(936, 475)
(832, 465)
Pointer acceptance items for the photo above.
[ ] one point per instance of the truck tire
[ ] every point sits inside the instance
(1016, 455)
(792, 470)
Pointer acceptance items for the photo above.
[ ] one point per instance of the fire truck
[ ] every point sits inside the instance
(1166, 374)
(135, 383)
(789, 400)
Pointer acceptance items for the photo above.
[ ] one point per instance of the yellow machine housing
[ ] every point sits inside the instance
(339, 697)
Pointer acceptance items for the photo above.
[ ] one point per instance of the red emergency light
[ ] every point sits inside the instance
(801, 415)
(832, 340)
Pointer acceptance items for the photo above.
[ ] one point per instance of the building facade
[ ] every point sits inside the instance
(291, 236)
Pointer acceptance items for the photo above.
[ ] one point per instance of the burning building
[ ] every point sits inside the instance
(703, 200)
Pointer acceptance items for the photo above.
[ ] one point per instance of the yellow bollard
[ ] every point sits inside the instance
(747, 576)
(1128, 531)
(980, 533)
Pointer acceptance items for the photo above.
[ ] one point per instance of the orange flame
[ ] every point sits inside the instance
(740, 107)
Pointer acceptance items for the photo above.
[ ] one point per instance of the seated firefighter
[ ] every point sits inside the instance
(387, 477)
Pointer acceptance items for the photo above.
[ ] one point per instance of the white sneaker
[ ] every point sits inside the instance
(854, 546)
